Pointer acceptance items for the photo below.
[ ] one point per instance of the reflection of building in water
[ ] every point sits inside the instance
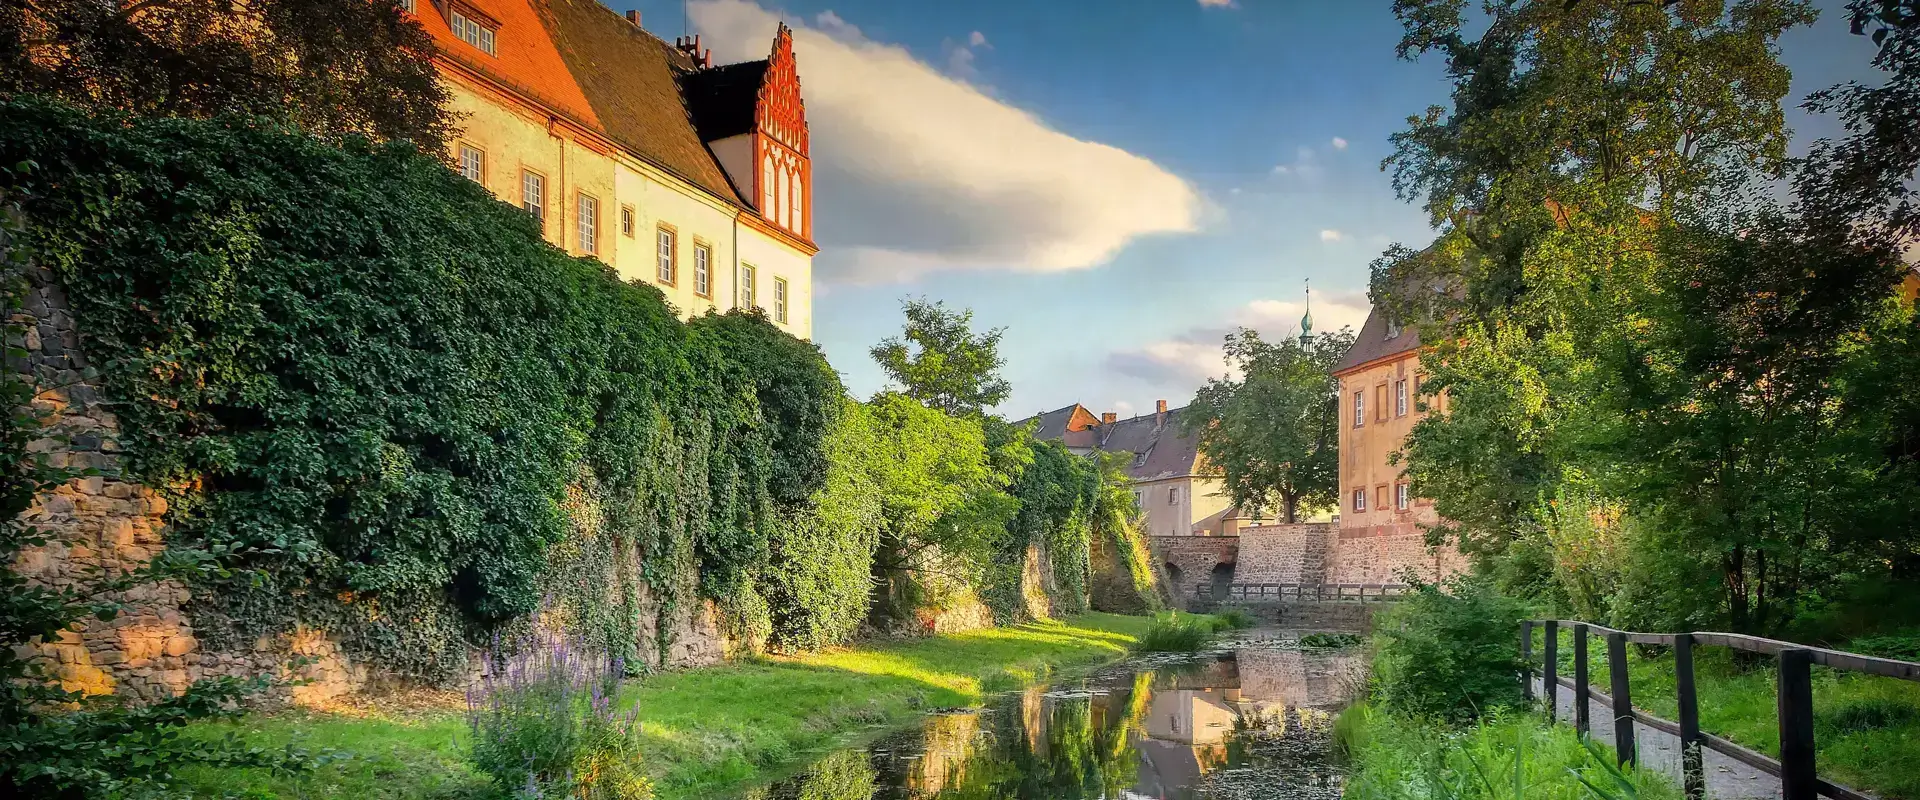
(1192, 716)
(950, 740)
(1285, 678)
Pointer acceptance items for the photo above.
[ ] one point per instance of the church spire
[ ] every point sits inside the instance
(1306, 321)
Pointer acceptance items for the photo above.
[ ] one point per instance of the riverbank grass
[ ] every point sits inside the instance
(705, 731)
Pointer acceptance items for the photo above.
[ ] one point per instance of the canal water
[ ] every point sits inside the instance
(1250, 720)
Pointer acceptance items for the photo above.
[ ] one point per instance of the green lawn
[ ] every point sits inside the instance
(705, 730)
(1867, 732)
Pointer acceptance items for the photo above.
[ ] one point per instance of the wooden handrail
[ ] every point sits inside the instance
(1795, 767)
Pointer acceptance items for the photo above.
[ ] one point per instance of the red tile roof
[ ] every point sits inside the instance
(526, 62)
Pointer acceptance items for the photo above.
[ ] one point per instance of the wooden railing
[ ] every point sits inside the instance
(1316, 592)
(1794, 662)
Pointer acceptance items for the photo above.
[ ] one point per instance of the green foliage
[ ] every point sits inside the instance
(1174, 632)
(62, 743)
(1448, 653)
(1903, 647)
(1331, 640)
(1274, 430)
(939, 360)
(333, 67)
(1504, 757)
(358, 361)
(1235, 619)
(544, 724)
(819, 574)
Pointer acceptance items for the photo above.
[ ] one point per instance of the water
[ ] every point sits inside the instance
(1250, 721)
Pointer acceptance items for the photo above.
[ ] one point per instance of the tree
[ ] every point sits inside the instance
(1274, 430)
(939, 360)
(332, 67)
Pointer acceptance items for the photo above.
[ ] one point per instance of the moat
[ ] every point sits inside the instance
(1249, 720)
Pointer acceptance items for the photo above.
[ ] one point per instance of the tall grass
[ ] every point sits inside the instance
(1174, 632)
(1235, 619)
(544, 724)
(1505, 756)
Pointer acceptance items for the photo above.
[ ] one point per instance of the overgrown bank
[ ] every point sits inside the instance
(703, 731)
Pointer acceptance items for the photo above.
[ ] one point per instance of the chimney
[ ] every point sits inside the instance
(689, 46)
(633, 16)
(1159, 414)
(1109, 418)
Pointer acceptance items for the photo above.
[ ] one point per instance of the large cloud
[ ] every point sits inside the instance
(1188, 359)
(915, 170)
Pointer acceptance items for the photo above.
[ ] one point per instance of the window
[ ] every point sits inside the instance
(588, 212)
(1380, 403)
(702, 270)
(471, 31)
(1173, 495)
(533, 195)
(747, 275)
(1139, 498)
(626, 221)
(407, 6)
(664, 254)
(1359, 500)
(473, 163)
(1393, 329)
(1419, 380)
(1359, 409)
(1402, 496)
(1400, 398)
(1380, 496)
(780, 300)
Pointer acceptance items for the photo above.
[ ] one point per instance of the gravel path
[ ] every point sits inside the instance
(1727, 779)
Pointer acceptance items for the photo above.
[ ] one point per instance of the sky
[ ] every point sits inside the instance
(1118, 185)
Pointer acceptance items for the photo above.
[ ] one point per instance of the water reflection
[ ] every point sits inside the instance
(1250, 722)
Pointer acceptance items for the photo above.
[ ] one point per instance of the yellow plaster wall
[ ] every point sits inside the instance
(1364, 450)
(1199, 498)
(516, 141)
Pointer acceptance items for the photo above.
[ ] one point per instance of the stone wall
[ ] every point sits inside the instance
(1187, 562)
(1380, 554)
(1110, 588)
(1297, 553)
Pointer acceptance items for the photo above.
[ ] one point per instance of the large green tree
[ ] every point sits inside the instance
(333, 67)
(940, 361)
(1273, 430)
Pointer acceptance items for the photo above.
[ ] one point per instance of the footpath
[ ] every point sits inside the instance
(1726, 778)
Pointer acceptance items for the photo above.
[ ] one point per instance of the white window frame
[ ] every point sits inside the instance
(473, 32)
(587, 221)
(1360, 408)
(749, 288)
(1402, 496)
(533, 195)
(472, 163)
(780, 300)
(626, 221)
(702, 269)
(1359, 501)
(666, 254)
(1400, 398)
(1173, 495)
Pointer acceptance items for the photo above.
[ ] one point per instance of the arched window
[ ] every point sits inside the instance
(793, 202)
(785, 217)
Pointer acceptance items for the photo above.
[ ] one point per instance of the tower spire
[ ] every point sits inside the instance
(1306, 320)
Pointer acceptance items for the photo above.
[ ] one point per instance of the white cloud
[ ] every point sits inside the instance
(1217, 4)
(960, 60)
(1184, 361)
(1331, 235)
(1339, 143)
(829, 21)
(1303, 164)
(978, 39)
(917, 171)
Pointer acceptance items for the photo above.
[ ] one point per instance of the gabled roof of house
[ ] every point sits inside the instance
(723, 98)
(1372, 343)
(524, 59)
(634, 82)
(1160, 448)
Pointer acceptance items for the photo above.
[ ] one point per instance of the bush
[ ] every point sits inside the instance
(1176, 633)
(1334, 640)
(1903, 647)
(544, 724)
(1449, 655)
(1234, 619)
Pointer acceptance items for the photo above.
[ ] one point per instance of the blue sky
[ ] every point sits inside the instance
(1117, 184)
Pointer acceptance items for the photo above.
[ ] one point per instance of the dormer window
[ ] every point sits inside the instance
(472, 31)
(1393, 329)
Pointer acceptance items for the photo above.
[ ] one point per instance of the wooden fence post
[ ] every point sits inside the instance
(1581, 723)
(1550, 676)
(1797, 779)
(1623, 743)
(1526, 659)
(1693, 773)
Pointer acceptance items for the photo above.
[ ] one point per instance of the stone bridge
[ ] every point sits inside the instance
(1199, 570)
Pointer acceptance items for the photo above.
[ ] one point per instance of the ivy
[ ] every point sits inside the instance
(352, 357)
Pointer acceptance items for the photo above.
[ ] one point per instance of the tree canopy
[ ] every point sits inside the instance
(1273, 430)
(938, 359)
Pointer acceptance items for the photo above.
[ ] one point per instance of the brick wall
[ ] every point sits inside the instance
(1187, 562)
(1298, 553)
(1380, 553)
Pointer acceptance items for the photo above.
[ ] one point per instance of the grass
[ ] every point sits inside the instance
(1503, 757)
(1867, 728)
(705, 731)
(1174, 632)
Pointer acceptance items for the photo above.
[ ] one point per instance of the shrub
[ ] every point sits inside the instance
(1176, 633)
(544, 724)
(1451, 654)
(1234, 619)
(1331, 640)
(1866, 715)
